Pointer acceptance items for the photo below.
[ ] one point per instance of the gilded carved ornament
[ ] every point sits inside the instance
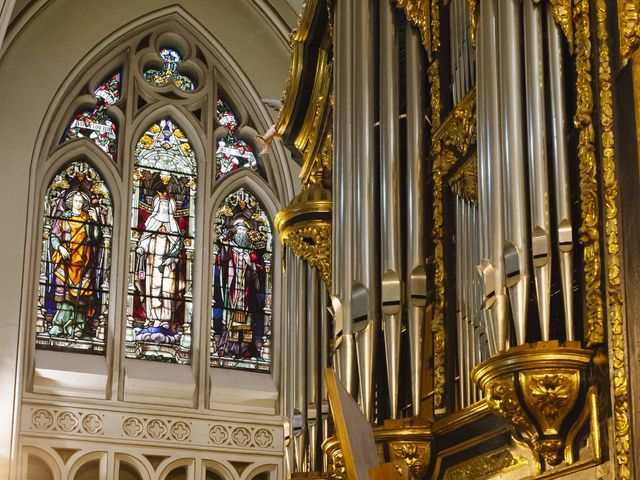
(617, 327)
(535, 388)
(451, 142)
(464, 182)
(629, 27)
(485, 466)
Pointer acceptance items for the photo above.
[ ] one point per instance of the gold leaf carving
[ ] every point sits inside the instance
(562, 14)
(414, 454)
(434, 93)
(629, 26)
(418, 13)
(617, 326)
(485, 466)
(450, 143)
(583, 120)
(464, 182)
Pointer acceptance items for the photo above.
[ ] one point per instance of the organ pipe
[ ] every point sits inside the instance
(390, 198)
(538, 184)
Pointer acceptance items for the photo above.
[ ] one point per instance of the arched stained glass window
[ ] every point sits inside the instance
(73, 294)
(162, 238)
(242, 284)
(169, 72)
(96, 124)
(232, 152)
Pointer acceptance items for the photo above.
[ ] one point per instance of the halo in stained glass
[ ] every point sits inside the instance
(73, 294)
(168, 73)
(232, 153)
(96, 125)
(242, 285)
(159, 311)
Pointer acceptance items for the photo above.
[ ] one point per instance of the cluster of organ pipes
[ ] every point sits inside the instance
(520, 113)
(461, 50)
(473, 344)
(305, 356)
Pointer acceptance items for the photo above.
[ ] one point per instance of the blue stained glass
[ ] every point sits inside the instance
(169, 72)
(96, 124)
(242, 285)
(73, 294)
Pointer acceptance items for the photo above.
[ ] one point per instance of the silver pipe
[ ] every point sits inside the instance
(313, 371)
(288, 360)
(324, 363)
(454, 51)
(417, 278)
(561, 167)
(489, 156)
(365, 237)
(516, 245)
(390, 198)
(538, 183)
(472, 289)
(459, 307)
(344, 134)
(300, 403)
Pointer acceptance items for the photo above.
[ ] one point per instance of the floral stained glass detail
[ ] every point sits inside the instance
(73, 293)
(159, 310)
(232, 153)
(242, 285)
(96, 124)
(168, 73)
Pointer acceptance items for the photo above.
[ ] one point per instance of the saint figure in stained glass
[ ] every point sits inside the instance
(232, 153)
(96, 124)
(169, 72)
(74, 274)
(162, 234)
(241, 285)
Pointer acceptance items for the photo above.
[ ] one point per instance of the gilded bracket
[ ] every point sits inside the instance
(538, 389)
(629, 27)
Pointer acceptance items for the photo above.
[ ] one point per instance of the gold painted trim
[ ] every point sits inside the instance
(617, 327)
(629, 28)
(635, 72)
(450, 143)
(562, 15)
(296, 41)
(418, 14)
(589, 198)
(433, 75)
(498, 461)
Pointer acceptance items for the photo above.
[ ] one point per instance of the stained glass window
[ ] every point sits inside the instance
(73, 295)
(96, 124)
(242, 284)
(232, 153)
(162, 237)
(168, 73)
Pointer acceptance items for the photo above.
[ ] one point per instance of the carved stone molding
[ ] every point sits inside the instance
(65, 421)
(142, 428)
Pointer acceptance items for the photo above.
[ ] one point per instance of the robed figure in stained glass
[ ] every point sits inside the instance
(159, 250)
(73, 294)
(75, 244)
(241, 283)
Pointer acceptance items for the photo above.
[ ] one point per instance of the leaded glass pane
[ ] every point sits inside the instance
(73, 294)
(169, 72)
(232, 153)
(96, 124)
(242, 285)
(159, 308)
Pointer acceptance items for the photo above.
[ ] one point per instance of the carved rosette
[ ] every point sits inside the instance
(536, 388)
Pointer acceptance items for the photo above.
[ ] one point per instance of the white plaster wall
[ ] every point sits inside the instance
(37, 56)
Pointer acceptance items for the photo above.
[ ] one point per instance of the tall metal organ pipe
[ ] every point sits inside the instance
(538, 183)
(365, 290)
(561, 167)
(390, 198)
(342, 255)
(313, 371)
(415, 269)
(516, 245)
(300, 436)
(288, 360)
